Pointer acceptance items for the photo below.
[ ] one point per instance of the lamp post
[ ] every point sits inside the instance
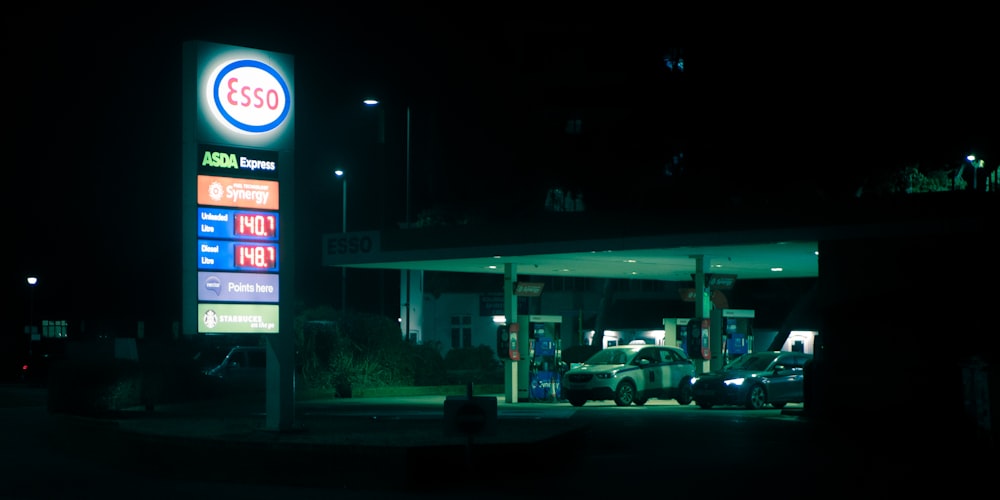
(342, 175)
(375, 102)
(406, 220)
(976, 165)
(32, 283)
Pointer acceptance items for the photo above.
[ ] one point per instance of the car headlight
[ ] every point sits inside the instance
(693, 380)
(735, 381)
(605, 376)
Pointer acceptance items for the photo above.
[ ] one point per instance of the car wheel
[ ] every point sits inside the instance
(756, 398)
(778, 405)
(577, 401)
(625, 393)
(705, 404)
(684, 393)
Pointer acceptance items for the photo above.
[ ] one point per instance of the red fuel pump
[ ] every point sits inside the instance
(514, 352)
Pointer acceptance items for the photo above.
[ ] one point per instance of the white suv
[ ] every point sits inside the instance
(631, 374)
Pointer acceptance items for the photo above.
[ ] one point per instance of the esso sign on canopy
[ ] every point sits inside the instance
(250, 96)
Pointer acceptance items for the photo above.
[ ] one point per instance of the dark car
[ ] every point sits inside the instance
(754, 380)
(242, 369)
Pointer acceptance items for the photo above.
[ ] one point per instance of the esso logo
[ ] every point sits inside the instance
(349, 245)
(251, 96)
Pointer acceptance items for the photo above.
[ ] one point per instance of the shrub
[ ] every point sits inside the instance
(476, 365)
(338, 351)
(87, 387)
(428, 364)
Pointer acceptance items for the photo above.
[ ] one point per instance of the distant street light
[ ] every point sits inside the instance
(342, 175)
(976, 165)
(32, 283)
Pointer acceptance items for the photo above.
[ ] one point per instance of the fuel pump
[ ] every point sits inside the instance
(507, 347)
(698, 344)
(681, 334)
(513, 349)
(542, 371)
(736, 326)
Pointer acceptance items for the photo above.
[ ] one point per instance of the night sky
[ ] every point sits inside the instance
(93, 106)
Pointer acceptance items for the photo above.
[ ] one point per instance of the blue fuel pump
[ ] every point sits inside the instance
(736, 326)
(544, 369)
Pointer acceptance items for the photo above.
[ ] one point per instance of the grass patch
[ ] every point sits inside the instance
(404, 391)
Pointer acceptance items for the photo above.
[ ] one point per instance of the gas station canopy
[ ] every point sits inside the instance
(750, 244)
(586, 248)
(779, 259)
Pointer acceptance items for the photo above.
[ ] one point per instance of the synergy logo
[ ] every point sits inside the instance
(249, 96)
(238, 193)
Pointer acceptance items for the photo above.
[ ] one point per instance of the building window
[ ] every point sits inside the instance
(574, 126)
(461, 331)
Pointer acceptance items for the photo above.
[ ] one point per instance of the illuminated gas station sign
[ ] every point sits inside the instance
(238, 136)
(249, 95)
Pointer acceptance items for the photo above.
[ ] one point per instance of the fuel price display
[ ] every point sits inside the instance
(216, 255)
(259, 257)
(225, 223)
(250, 225)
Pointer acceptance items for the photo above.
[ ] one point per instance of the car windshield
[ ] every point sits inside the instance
(210, 358)
(753, 362)
(612, 357)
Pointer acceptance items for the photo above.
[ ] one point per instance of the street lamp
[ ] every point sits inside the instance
(375, 102)
(32, 283)
(342, 175)
(976, 165)
(406, 221)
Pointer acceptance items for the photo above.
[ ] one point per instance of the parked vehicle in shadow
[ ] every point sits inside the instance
(242, 370)
(754, 380)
